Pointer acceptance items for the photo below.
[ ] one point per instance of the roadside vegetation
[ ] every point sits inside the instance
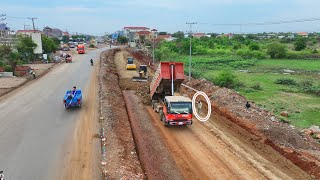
(23, 51)
(277, 74)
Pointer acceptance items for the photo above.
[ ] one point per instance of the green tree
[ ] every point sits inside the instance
(8, 57)
(254, 47)
(163, 33)
(122, 39)
(300, 43)
(179, 35)
(25, 47)
(276, 50)
(48, 45)
(238, 38)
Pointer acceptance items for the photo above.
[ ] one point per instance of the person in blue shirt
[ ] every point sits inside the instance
(73, 91)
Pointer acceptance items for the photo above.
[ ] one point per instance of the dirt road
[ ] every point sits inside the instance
(217, 149)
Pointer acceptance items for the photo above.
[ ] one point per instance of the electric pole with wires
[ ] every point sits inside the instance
(32, 19)
(190, 36)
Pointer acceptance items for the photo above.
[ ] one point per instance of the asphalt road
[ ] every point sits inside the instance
(35, 127)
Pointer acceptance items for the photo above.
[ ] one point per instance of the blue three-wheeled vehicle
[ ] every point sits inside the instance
(72, 99)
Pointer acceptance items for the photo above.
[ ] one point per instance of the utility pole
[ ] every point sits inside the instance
(190, 36)
(32, 19)
(153, 51)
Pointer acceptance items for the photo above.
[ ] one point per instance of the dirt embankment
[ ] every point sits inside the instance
(202, 151)
(268, 135)
(122, 160)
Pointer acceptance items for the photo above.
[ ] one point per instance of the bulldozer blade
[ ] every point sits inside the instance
(139, 79)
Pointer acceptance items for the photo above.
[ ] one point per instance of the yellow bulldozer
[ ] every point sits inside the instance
(130, 65)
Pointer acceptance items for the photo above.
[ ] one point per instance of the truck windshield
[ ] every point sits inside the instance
(181, 108)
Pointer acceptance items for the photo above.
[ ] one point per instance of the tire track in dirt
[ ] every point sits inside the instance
(153, 154)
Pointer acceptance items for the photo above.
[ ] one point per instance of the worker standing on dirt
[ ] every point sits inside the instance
(199, 107)
(248, 105)
(33, 73)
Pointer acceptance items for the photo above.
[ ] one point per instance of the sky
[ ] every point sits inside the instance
(98, 17)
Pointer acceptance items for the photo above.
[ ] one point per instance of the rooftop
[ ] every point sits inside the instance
(143, 32)
(135, 27)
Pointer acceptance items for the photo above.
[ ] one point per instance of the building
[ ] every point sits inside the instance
(65, 34)
(36, 38)
(6, 36)
(147, 35)
(130, 31)
(198, 35)
(303, 34)
(53, 32)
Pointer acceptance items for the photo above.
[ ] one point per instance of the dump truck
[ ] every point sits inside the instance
(80, 49)
(130, 64)
(173, 109)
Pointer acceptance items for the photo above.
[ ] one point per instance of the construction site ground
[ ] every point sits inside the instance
(140, 146)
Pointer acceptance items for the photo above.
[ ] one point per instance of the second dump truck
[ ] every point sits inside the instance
(174, 110)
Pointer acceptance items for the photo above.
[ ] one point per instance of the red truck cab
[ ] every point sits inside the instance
(177, 110)
(80, 49)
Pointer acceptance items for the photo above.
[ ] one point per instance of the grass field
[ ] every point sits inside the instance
(304, 109)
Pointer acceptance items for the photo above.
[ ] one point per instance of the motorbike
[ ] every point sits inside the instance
(91, 62)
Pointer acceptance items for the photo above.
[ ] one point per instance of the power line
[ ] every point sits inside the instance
(266, 23)
(15, 17)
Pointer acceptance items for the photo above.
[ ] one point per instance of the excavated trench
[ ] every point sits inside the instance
(213, 150)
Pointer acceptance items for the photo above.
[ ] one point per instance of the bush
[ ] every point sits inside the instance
(249, 54)
(256, 86)
(302, 55)
(7, 68)
(300, 43)
(91, 46)
(219, 52)
(227, 79)
(306, 83)
(276, 50)
(315, 90)
(254, 47)
(286, 81)
(294, 55)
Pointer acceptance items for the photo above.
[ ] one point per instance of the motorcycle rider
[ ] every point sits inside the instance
(1, 175)
(91, 61)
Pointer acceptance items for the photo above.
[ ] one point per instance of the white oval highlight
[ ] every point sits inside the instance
(194, 106)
